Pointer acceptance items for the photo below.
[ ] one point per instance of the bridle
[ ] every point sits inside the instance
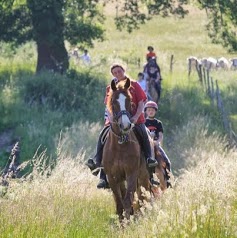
(123, 136)
(121, 113)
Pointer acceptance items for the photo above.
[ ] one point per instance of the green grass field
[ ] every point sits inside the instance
(58, 119)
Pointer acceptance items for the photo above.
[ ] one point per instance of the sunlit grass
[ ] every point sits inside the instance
(67, 204)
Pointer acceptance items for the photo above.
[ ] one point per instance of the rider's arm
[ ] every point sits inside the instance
(160, 139)
(110, 116)
(139, 111)
(140, 98)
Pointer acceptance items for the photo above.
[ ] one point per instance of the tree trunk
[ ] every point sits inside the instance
(53, 58)
(48, 25)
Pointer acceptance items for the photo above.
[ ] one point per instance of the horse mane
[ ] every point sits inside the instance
(120, 89)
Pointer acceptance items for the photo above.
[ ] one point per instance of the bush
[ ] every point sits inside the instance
(38, 107)
(80, 92)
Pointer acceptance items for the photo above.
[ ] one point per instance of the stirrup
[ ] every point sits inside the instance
(95, 169)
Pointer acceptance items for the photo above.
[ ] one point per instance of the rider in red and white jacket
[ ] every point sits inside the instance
(138, 100)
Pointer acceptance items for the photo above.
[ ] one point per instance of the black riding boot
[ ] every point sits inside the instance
(158, 89)
(103, 183)
(140, 131)
(95, 163)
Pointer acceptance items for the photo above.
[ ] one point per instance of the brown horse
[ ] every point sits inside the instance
(122, 158)
(151, 85)
(153, 77)
(160, 169)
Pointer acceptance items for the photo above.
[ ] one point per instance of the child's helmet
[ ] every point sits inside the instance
(150, 48)
(151, 104)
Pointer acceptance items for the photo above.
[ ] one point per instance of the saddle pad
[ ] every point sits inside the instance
(104, 134)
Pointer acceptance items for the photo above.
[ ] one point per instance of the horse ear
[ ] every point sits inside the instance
(127, 84)
(113, 85)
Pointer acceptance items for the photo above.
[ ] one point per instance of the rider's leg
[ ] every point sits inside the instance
(158, 88)
(95, 162)
(140, 131)
(168, 165)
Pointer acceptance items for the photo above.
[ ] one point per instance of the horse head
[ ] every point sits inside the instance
(119, 104)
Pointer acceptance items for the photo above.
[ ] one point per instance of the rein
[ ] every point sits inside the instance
(122, 138)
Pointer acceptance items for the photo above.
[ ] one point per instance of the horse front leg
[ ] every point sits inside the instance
(129, 196)
(115, 187)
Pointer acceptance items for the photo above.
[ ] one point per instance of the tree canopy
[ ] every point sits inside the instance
(222, 24)
(50, 22)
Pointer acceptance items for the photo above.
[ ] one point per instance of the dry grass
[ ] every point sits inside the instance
(66, 203)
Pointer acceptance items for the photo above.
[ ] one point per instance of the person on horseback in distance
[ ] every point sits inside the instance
(155, 127)
(138, 118)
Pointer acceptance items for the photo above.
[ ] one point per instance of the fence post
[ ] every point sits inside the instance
(171, 63)
(199, 71)
(212, 92)
(189, 68)
(208, 84)
(139, 62)
(222, 110)
(204, 78)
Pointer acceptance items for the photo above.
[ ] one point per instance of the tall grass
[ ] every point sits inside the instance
(67, 204)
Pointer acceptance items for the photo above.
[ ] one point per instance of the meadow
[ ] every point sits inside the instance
(58, 119)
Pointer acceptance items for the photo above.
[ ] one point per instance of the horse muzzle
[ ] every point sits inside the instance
(125, 128)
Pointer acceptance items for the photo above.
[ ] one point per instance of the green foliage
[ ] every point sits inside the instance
(222, 23)
(74, 91)
(133, 13)
(83, 22)
(39, 107)
(15, 23)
